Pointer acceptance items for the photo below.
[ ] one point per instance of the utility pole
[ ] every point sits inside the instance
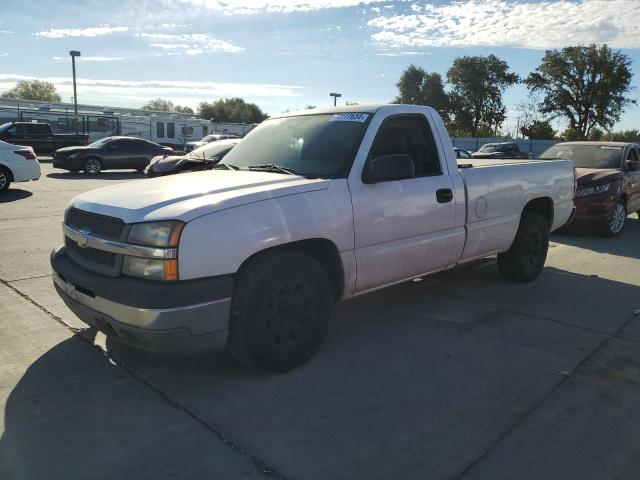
(74, 54)
(335, 97)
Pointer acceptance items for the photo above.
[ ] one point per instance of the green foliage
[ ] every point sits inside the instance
(596, 135)
(162, 105)
(539, 130)
(234, 110)
(570, 135)
(33, 90)
(477, 85)
(584, 84)
(418, 87)
(625, 136)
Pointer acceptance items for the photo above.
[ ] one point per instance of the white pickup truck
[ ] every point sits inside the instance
(308, 209)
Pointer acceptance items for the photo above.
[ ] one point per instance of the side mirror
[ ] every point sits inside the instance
(395, 166)
(633, 165)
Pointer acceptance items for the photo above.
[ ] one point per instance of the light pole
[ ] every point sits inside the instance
(74, 54)
(335, 97)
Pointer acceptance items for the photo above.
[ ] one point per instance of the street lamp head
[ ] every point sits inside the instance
(335, 94)
(74, 53)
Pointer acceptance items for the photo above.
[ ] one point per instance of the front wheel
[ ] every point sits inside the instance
(92, 166)
(524, 261)
(617, 221)
(280, 313)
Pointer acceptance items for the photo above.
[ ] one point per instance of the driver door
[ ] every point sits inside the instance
(403, 228)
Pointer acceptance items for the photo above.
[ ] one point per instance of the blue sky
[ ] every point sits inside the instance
(285, 54)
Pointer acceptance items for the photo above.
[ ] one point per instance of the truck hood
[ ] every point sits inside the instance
(586, 176)
(191, 195)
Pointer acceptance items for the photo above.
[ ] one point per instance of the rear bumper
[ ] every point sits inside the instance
(193, 328)
(26, 170)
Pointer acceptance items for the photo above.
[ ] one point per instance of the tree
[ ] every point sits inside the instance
(159, 105)
(625, 136)
(584, 84)
(538, 130)
(477, 85)
(309, 107)
(418, 87)
(234, 110)
(33, 90)
(185, 110)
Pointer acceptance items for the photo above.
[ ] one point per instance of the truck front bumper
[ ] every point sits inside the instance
(193, 328)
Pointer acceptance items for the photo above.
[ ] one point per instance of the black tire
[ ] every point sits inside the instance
(280, 311)
(5, 179)
(524, 261)
(617, 220)
(92, 166)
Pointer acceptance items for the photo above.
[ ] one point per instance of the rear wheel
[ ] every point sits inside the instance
(524, 261)
(281, 309)
(5, 179)
(92, 166)
(617, 220)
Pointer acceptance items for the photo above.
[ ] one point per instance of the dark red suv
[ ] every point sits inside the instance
(608, 177)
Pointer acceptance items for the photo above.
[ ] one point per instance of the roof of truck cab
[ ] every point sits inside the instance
(603, 144)
(369, 108)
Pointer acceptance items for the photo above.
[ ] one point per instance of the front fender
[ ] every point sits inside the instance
(218, 243)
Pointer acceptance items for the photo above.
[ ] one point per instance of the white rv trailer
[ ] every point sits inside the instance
(167, 128)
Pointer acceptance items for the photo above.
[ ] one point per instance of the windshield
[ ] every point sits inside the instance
(309, 145)
(210, 150)
(5, 126)
(209, 138)
(100, 143)
(493, 147)
(586, 156)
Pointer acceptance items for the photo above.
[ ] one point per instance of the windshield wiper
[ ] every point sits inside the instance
(227, 166)
(270, 167)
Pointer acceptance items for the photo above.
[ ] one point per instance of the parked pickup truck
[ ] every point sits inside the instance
(309, 208)
(39, 136)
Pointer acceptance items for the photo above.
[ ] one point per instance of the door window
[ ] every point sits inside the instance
(633, 155)
(171, 130)
(409, 135)
(160, 130)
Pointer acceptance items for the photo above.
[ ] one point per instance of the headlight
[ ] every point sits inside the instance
(592, 189)
(156, 234)
(151, 268)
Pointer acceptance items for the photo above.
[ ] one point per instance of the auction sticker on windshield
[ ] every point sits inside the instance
(350, 117)
(606, 147)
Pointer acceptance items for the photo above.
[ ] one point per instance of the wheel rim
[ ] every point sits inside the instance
(288, 320)
(618, 217)
(3, 180)
(93, 166)
(533, 248)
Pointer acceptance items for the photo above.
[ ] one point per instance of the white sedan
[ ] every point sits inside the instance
(17, 164)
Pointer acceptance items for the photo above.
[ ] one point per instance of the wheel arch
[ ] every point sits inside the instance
(543, 206)
(8, 171)
(323, 250)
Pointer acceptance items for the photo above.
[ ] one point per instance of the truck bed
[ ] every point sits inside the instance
(487, 162)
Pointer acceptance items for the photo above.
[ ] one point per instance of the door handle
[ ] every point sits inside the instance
(444, 195)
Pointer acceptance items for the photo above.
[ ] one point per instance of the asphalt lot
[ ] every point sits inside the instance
(458, 376)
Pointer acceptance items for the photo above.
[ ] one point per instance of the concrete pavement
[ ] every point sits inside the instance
(463, 375)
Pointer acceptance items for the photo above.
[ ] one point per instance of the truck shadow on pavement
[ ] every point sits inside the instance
(14, 194)
(415, 381)
(105, 175)
(588, 239)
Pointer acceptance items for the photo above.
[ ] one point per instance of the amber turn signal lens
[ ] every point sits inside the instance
(171, 269)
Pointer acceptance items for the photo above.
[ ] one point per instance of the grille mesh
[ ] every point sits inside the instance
(101, 257)
(98, 225)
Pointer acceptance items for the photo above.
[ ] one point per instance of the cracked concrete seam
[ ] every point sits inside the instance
(263, 467)
(564, 378)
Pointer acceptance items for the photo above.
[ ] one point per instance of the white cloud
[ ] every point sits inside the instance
(401, 54)
(4, 54)
(6, 31)
(80, 32)
(189, 43)
(93, 59)
(521, 23)
(113, 90)
(239, 7)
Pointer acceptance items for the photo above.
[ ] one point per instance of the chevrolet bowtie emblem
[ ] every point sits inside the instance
(82, 241)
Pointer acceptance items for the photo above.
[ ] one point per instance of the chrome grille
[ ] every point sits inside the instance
(97, 225)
